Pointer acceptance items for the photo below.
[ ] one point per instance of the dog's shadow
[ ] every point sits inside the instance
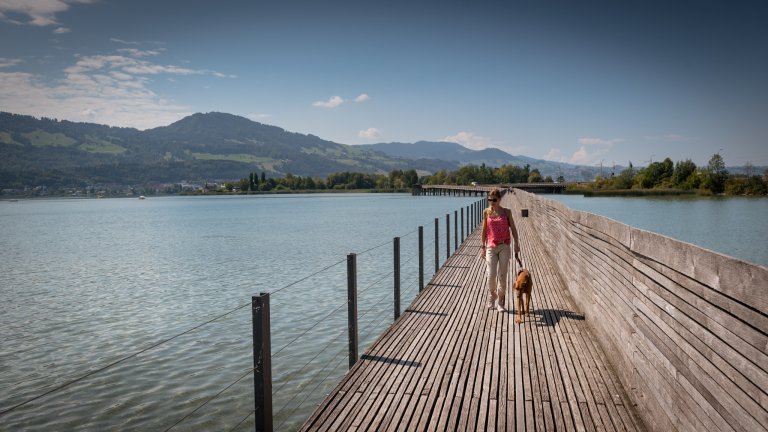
(551, 317)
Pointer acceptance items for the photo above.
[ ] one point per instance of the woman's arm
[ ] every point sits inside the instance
(482, 235)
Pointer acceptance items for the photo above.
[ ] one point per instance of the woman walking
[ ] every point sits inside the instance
(495, 236)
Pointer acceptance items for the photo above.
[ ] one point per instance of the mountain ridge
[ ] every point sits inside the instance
(206, 146)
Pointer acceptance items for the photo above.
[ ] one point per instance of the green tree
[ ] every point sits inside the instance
(625, 179)
(681, 173)
(411, 177)
(534, 176)
(716, 174)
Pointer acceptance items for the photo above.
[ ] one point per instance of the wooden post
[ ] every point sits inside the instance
(455, 230)
(462, 224)
(421, 258)
(469, 217)
(352, 307)
(396, 254)
(437, 246)
(447, 235)
(262, 362)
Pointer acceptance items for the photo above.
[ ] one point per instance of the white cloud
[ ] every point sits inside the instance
(108, 89)
(369, 133)
(581, 157)
(333, 102)
(61, 30)
(554, 155)
(600, 141)
(586, 157)
(134, 52)
(89, 113)
(38, 12)
(6, 62)
(221, 75)
(470, 140)
(124, 42)
(362, 98)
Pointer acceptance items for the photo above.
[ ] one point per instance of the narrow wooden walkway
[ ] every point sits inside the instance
(451, 364)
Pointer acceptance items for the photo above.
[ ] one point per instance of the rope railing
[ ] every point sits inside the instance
(275, 355)
(210, 399)
(379, 319)
(336, 366)
(381, 276)
(121, 360)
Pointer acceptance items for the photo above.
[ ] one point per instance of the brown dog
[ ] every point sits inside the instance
(523, 285)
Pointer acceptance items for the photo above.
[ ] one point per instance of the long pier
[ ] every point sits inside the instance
(449, 363)
(629, 330)
(481, 190)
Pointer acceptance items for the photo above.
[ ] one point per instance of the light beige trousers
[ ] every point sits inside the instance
(497, 268)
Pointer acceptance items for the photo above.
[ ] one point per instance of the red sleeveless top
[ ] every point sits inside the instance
(497, 230)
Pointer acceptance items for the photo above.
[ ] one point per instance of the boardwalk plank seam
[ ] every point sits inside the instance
(476, 369)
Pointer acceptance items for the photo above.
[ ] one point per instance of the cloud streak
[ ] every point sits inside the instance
(6, 62)
(470, 140)
(39, 13)
(369, 133)
(108, 89)
(333, 102)
(554, 155)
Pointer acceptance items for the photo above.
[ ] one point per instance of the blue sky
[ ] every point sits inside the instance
(584, 82)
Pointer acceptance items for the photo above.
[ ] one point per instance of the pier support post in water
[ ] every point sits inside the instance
(455, 230)
(421, 258)
(437, 245)
(396, 254)
(447, 235)
(462, 224)
(352, 307)
(262, 362)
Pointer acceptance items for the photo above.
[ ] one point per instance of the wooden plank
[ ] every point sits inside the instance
(477, 369)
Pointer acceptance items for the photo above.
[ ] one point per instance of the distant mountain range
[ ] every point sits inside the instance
(213, 147)
(448, 151)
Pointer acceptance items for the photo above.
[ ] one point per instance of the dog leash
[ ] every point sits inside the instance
(517, 257)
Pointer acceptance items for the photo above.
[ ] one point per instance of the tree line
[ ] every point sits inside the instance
(395, 180)
(488, 175)
(686, 176)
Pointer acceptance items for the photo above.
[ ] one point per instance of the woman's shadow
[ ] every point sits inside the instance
(551, 317)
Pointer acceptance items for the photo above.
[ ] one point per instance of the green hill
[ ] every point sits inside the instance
(201, 147)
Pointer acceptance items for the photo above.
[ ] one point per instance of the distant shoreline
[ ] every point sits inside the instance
(632, 192)
(16, 198)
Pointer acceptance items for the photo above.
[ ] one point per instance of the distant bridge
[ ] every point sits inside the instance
(456, 190)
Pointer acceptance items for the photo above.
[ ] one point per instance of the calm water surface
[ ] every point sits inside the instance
(735, 226)
(85, 283)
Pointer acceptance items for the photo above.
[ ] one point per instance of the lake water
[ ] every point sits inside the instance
(87, 283)
(735, 226)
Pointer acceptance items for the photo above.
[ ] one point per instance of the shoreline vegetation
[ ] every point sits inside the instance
(631, 192)
(682, 178)
(663, 178)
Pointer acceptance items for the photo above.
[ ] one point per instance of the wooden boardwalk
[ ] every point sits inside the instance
(451, 364)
